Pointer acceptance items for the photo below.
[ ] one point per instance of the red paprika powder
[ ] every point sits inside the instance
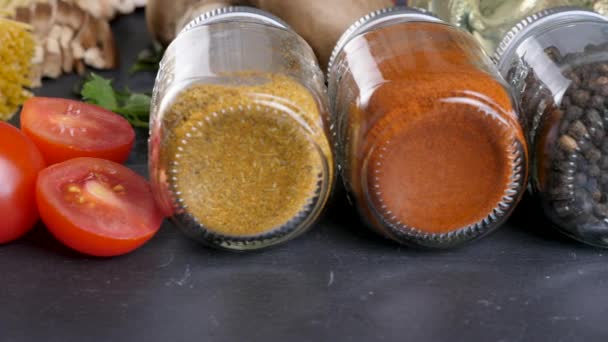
(428, 140)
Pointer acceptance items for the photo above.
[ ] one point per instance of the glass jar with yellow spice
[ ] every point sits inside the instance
(239, 150)
(428, 139)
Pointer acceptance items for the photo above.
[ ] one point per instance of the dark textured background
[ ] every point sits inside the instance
(337, 283)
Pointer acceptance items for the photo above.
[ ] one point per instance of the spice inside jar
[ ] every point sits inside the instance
(244, 165)
(557, 61)
(578, 192)
(429, 140)
(240, 153)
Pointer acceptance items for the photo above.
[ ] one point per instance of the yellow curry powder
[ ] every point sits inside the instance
(246, 159)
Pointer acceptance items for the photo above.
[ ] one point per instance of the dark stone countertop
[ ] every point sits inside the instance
(339, 282)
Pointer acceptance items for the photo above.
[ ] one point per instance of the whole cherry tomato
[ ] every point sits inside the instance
(20, 162)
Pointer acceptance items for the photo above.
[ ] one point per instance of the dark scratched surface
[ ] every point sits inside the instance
(337, 283)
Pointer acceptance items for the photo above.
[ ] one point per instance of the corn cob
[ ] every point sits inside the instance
(16, 52)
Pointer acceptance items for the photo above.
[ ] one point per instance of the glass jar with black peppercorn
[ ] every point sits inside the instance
(557, 63)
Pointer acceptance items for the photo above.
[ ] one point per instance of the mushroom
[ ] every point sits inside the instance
(67, 37)
(53, 62)
(42, 17)
(108, 9)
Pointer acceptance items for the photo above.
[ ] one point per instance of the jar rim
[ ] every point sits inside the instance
(224, 14)
(526, 27)
(373, 20)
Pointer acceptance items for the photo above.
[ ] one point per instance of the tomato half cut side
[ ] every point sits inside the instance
(66, 129)
(97, 207)
(20, 162)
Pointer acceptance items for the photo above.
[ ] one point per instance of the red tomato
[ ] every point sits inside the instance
(96, 206)
(66, 129)
(20, 162)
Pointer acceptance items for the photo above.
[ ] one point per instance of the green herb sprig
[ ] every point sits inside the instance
(135, 107)
(148, 59)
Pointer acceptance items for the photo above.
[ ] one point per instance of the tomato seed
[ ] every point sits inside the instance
(119, 188)
(73, 188)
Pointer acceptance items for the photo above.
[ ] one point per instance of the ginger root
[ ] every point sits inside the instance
(320, 22)
(165, 19)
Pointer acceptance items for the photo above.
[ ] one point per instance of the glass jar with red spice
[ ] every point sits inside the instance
(557, 63)
(428, 139)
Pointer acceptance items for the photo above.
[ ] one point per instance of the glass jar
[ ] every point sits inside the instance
(239, 148)
(490, 20)
(428, 141)
(557, 63)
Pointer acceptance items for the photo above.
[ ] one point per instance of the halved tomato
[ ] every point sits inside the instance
(66, 129)
(20, 162)
(96, 206)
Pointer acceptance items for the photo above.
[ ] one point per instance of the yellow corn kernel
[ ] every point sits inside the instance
(16, 52)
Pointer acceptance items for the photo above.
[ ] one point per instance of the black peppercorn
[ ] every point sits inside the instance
(584, 145)
(594, 171)
(593, 155)
(597, 101)
(601, 210)
(577, 130)
(554, 54)
(574, 113)
(593, 118)
(578, 177)
(572, 141)
(580, 97)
